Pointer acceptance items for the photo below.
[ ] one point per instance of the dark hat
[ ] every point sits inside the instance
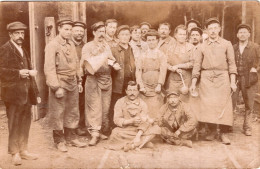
(172, 93)
(79, 23)
(152, 32)
(244, 26)
(16, 26)
(146, 23)
(197, 29)
(193, 21)
(134, 28)
(122, 27)
(97, 25)
(64, 22)
(110, 21)
(211, 20)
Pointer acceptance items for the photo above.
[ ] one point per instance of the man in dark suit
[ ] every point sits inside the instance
(18, 91)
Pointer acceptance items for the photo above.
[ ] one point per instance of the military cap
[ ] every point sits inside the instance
(197, 29)
(193, 21)
(16, 26)
(122, 27)
(244, 26)
(79, 23)
(211, 20)
(172, 93)
(152, 32)
(64, 22)
(111, 21)
(145, 23)
(97, 25)
(134, 28)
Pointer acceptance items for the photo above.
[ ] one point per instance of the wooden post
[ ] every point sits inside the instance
(223, 19)
(243, 11)
(49, 29)
(253, 30)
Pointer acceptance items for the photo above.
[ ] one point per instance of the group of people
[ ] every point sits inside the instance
(130, 84)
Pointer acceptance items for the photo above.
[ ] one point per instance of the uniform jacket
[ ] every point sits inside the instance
(14, 88)
(118, 76)
(250, 57)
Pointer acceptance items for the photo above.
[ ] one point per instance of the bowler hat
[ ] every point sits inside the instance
(79, 23)
(97, 25)
(244, 26)
(16, 26)
(211, 20)
(197, 29)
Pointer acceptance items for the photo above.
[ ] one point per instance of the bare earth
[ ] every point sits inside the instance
(244, 152)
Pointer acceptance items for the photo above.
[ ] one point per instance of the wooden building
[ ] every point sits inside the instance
(34, 14)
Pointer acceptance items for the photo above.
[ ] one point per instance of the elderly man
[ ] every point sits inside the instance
(247, 58)
(195, 36)
(62, 72)
(215, 66)
(98, 86)
(136, 42)
(145, 26)
(18, 91)
(166, 42)
(111, 26)
(78, 32)
(123, 54)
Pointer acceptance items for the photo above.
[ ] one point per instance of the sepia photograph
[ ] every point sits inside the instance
(129, 84)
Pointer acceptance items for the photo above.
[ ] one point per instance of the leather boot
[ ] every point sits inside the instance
(187, 143)
(62, 147)
(16, 159)
(28, 156)
(225, 139)
(93, 141)
(77, 143)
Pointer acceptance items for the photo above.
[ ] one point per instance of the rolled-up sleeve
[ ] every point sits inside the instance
(232, 68)
(50, 67)
(198, 57)
(163, 68)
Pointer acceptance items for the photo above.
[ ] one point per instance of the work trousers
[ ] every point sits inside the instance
(19, 122)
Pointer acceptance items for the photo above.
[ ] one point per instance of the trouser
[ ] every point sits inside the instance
(67, 135)
(248, 95)
(96, 106)
(63, 113)
(19, 122)
(82, 105)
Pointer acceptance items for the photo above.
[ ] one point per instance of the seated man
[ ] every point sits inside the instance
(177, 122)
(132, 121)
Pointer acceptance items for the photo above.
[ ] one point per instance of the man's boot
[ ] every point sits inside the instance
(247, 123)
(62, 147)
(187, 143)
(93, 141)
(28, 156)
(211, 136)
(225, 139)
(16, 159)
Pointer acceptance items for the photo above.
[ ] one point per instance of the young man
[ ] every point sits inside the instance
(62, 73)
(123, 54)
(215, 66)
(111, 26)
(195, 36)
(98, 86)
(78, 32)
(18, 91)
(177, 122)
(166, 42)
(247, 60)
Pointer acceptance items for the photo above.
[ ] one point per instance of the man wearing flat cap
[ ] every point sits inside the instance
(216, 68)
(62, 73)
(18, 91)
(145, 26)
(247, 60)
(192, 24)
(195, 36)
(178, 124)
(111, 26)
(166, 42)
(123, 54)
(98, 86)
(78, 32)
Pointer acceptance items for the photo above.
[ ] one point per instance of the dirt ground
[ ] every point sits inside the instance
(244, 152)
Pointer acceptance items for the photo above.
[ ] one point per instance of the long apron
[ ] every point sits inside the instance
(215, 96)
(150, 77)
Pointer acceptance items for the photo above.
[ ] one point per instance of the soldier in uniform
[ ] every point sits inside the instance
(18, 92)
(145, 26)
(247, 60)
(216, 68)
(111, 26)
(62, 73)
(98, 86)
(78, 32)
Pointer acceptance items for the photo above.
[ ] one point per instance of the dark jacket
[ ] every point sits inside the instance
(14, 89)
(118, 76)
(251, 56)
